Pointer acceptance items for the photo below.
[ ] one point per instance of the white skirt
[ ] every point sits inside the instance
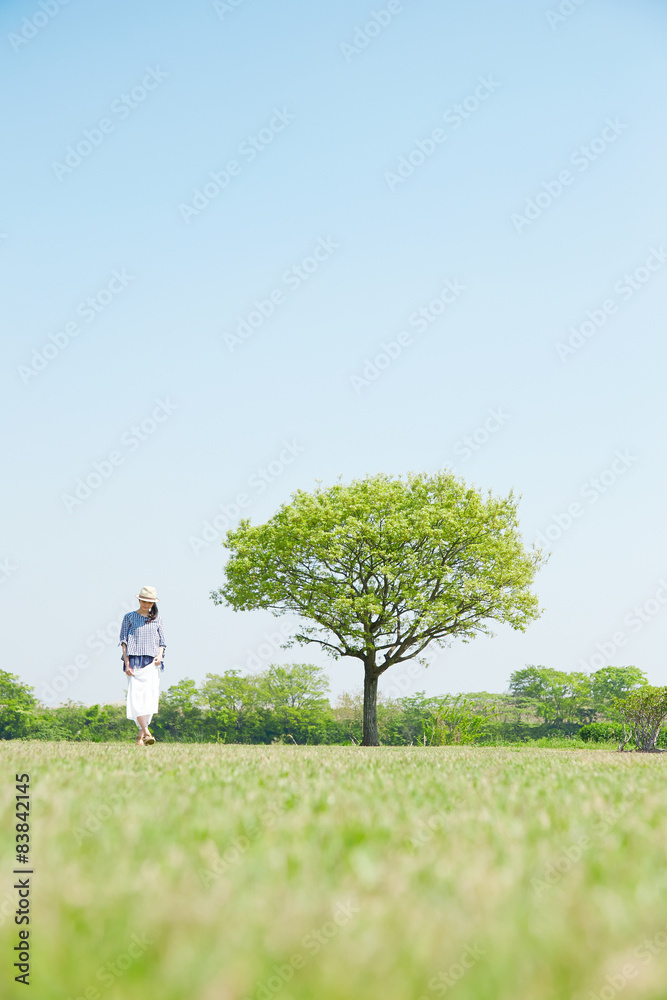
(143, 693)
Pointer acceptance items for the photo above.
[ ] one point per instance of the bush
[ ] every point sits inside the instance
(601, 732)
(452, 722)
(643, 713)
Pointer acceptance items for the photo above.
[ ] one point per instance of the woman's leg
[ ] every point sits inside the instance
(142, 722)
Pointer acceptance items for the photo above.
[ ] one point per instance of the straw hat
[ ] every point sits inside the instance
(147, 594)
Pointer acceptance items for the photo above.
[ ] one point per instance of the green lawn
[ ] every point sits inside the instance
(205, 872)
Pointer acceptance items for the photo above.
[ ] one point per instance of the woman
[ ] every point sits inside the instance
(142, 640)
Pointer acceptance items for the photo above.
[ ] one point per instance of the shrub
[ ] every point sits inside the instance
(643, 713)
(451, 722)
(601, 732)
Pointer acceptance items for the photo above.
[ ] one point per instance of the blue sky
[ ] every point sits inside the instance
(366, 156)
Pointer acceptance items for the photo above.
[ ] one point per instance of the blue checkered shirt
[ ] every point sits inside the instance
(143, 638)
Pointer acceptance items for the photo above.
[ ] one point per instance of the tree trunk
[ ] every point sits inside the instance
(370, 736)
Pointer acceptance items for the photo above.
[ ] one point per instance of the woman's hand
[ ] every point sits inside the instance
(157, 661)
(128, 669)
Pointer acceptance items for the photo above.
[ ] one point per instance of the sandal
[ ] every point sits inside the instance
(149, 740)
(140, 741)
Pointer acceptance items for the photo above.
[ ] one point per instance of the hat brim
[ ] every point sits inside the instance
(140, 598)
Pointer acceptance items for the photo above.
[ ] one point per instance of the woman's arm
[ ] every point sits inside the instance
(124, 633)
(163, 644)
(160, 636)
(127, 659)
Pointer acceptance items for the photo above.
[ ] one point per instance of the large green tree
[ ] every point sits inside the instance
(383, 567)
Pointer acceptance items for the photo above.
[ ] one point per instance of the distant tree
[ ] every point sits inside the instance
(349, 714)
(568, 697)
(69, 718)
(643, 712)
(14, 692)
(415, 709)
(17, 707)
(531, 682)
(557, 694)
(229, 690)
(380, 569)
(180, 714)
(611, 683)
(184, 696)
(294, 685)
(582, 706)
(233, 700)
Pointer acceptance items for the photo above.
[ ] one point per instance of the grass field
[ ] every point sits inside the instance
(329, 873)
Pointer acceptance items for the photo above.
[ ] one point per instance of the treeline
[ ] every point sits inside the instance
(290, 703)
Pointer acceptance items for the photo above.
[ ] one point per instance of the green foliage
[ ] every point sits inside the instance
(560, 697)
(554, 741)
(15, 722)
(289, 703)
(643, 713)
(17, 704)
(14, 692)
(299, 685)
(552, 690)
(601, 732)
(613, 683)
(46, 726)
(383, 567)
(75, 722)
(452, 721)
